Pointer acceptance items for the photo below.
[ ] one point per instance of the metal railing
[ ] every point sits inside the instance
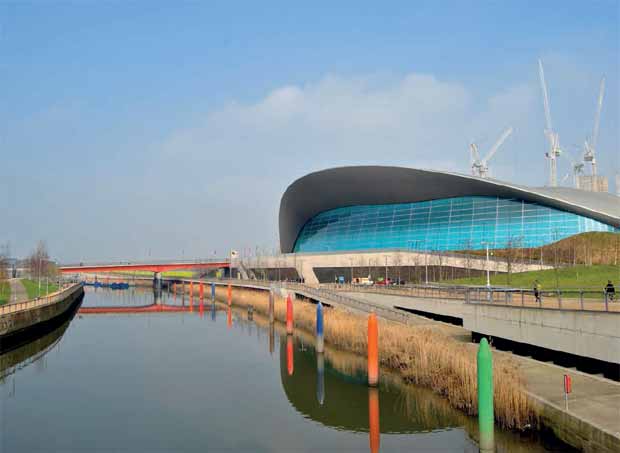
(584, 299)
(48, 299)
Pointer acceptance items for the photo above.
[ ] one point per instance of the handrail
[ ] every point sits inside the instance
(48, 299)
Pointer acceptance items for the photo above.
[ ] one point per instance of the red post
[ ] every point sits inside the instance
(568, 388)
(289, 315)
(373, 419)
(290, 364)
(373, 350)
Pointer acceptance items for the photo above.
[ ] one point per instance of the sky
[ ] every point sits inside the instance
(153, 130)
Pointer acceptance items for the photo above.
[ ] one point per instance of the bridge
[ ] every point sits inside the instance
(157, 267)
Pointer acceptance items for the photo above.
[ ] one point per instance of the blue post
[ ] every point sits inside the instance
(319, 328)
(320, 378)
(213, 291)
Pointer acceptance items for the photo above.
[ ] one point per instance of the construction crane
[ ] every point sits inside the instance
(590, 146)
(480, 167)
(577, 169)
(552, 136)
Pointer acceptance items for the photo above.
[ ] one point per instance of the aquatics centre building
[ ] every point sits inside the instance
(366, 208)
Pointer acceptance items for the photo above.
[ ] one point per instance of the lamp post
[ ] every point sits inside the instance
(486, 244)
(386, 270)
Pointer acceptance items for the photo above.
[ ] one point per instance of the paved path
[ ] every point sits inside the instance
(594, 399)
(18, 292)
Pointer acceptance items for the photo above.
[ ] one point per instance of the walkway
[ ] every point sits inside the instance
(18, 292)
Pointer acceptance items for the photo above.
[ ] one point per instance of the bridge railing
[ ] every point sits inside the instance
(146, 262)
(49, 299)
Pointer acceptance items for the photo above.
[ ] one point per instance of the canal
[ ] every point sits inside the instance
(142, 372)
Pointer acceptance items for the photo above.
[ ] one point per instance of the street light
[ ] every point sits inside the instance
(486, 244)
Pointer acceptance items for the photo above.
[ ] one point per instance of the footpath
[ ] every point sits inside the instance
(18, 292)
(593, 414)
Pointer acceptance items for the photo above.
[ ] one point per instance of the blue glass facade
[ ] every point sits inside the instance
(447, 224)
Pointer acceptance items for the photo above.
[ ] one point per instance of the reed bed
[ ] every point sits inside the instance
(422, 355)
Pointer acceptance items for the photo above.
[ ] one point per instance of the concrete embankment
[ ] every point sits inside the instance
(589, 423)
(24, 320)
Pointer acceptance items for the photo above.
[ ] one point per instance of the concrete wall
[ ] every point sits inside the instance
(20, 316)
(586, 334)
(305, 263)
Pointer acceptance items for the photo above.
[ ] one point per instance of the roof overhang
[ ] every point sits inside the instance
(366, 185)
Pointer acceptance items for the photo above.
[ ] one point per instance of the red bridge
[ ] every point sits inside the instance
(156, 267)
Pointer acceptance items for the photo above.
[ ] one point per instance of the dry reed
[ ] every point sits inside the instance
(422, 355)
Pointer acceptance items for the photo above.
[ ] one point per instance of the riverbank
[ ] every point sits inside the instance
(23, 321)
(422, 355)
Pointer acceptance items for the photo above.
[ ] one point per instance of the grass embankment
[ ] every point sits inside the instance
(422, 355)
(32, 288)
(566, 277)
(585, 248)
(5, 292)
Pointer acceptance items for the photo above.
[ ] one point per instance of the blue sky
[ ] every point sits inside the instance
(137, 129)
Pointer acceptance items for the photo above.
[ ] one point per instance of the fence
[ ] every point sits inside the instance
(51, 298)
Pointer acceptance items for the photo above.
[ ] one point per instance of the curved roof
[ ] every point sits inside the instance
(365, 185)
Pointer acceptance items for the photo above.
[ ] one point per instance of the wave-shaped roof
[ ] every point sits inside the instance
(365, 185)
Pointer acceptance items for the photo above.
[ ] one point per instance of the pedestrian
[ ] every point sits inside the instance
(610, 291)
(537, 287)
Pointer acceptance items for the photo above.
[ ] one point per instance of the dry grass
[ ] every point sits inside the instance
(422, 355)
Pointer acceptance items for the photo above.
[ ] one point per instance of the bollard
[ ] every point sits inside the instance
(271, 304)
(320, 378)
(320, 343)
(213, 292)
(485, 396)
(373, 350)
(229, 294)
(289, 315)
(290, 366)
(201, 290)
(374, 430)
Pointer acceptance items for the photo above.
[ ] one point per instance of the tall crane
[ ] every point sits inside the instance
(480, 167)
(552, 136)
(590, 146)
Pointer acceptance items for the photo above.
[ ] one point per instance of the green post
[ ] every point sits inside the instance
(485, 396)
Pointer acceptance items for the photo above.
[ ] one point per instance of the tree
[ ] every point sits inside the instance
(4, 271)
(40, 264)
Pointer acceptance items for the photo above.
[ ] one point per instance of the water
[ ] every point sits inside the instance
(205, 380)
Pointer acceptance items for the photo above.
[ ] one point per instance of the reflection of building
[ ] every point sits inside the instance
(378, 208)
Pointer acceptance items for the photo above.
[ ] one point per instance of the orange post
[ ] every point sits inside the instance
(373, 419)
(373, 350)
(229, 294)
(289, 315)
(201, 291)
(290, 364)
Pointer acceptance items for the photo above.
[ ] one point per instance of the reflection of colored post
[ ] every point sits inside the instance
(213, 311)
(373, 419)
(289, 315)
(271, 305)
(319, 328)
(373, 350)
(320, 378)
(272, 340)
(485, 396)
(201, 308)
(201, 290)
(191, 289)
(213, 292)
(229, 294)
(290, 366)
(229, 318)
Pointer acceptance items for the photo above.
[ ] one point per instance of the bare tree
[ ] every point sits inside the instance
(398, 261)
(39, 262)
(4, 272)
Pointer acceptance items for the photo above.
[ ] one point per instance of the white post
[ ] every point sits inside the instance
(488, 269)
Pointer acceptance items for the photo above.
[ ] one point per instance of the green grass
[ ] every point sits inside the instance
(5, 292)
(32, 288)
(568, 277)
